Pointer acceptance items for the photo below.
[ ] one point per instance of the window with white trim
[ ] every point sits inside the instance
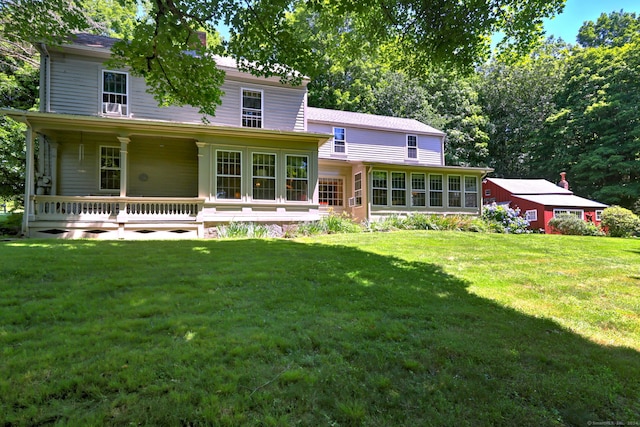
(531, 215)
(412, 146)
(339, 140)
(115, 99)
(331, 192)
(599, 215)
(297, 178)
(379, 190)
(252, 108)
(454, 191)
(263, 167)
(398, 189)
(109, 168)
(228, 174)
(357, 188)
(470, 192)
(435, 190)
(418, 189)
(577, 212)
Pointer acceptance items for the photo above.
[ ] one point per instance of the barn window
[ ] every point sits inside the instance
(531, 215)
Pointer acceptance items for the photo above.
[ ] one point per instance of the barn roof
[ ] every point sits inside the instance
(529, 186)
(346, 118)
(561, 200)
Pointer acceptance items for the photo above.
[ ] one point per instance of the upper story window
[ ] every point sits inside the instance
(339, 140)
(251, 108)
(115, 95)
(109, 168)
(412, 147)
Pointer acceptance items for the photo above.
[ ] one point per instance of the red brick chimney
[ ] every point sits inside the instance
(563, 181)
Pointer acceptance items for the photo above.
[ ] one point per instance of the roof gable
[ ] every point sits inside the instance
(346, 118)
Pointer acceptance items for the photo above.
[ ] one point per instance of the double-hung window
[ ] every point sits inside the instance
(115, 99)
(379, 188)
(455, 191)
(398, 189)
(575, 212)
(264, 176)
(339, 140)
(412, 147)
(357, 189)
(297, 178)
(229, 174)
(435, 190)
(470, 192)
(109, 168)
(252, 108)
(418, 189)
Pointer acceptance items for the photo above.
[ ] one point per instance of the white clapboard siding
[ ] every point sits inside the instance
(76, 83)
(375, 145)
(162, 167)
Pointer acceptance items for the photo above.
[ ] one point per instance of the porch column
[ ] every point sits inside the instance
(29, 183)
(204, 170)
(124, 165)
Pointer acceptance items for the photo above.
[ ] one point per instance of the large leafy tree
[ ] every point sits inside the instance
(264, 36)
(518, 96)
(596, 132)
(610, 30)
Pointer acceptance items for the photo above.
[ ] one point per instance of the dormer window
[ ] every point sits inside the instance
(115, 99)
(339, 140)
(412, 147)
(251, 108)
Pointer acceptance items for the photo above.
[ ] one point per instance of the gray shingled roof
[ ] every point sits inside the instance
(369, 121)
(91, 40)
(529, 186)
(561, 200)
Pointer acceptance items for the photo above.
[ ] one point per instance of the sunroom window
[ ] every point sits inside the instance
(435, 190)
(229, 174)
(418, 189)
(379, 188)
(455, 192)
(297, 178)
(470, 192)
(264, 176)
(398, 189)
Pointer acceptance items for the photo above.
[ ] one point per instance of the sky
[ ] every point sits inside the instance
(567, 24)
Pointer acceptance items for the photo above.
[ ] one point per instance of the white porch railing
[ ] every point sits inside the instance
(115, 209)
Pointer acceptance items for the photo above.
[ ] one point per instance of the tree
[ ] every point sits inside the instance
(613, 30)
(596, 131)
(264, 40)
(518, 97)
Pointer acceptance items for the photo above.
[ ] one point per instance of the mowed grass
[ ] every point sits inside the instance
(403, 328)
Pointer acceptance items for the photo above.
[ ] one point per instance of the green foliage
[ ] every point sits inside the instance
(620, 222)
(572, 225)
(329, 224)
(419, 221)
(273, 38)
(237, 230)
(613, 30)
(11, 224)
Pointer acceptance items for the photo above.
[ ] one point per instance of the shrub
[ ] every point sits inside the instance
(503, 219)
(330, 224)
(11, 225)
(572, 225)
(235, 230)
(620, 222)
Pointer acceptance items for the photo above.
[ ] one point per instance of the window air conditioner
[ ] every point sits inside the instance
(112, 108)
(352, 202)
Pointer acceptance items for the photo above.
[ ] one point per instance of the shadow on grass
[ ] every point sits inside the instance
(257, 332)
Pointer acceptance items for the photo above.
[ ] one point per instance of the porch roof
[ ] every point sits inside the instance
(126, 127)
(417, 166)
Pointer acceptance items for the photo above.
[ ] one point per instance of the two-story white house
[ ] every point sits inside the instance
(112, 164)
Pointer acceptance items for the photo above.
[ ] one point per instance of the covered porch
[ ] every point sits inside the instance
(107, 178)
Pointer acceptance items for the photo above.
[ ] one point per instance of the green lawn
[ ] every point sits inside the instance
(386, 329)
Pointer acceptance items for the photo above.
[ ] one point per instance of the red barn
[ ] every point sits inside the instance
(540, 200)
